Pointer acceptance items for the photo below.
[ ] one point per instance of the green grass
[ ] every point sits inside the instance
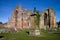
(22, 35)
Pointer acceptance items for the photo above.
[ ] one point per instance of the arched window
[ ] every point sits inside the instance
(45, 19)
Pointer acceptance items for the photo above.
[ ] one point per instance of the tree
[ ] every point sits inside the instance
(1, 23)
(58, 24)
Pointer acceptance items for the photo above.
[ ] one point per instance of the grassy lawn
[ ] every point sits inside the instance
(22, 35)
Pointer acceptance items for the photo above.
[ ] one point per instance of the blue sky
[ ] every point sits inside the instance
(7, 6)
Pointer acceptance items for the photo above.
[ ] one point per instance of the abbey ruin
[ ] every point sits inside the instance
(22, 19)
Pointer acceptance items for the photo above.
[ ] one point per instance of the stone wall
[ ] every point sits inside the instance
(22, 18)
